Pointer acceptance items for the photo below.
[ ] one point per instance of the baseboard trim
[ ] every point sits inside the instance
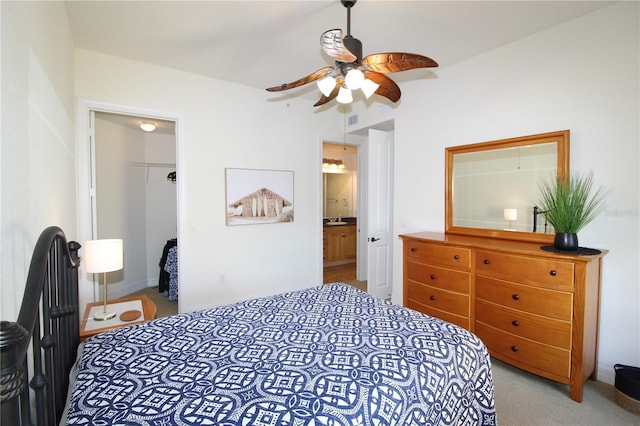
(127, 289)
(605, 373)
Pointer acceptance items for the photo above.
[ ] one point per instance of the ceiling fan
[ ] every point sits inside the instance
(352, 71)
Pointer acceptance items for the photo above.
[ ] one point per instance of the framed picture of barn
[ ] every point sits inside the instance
(258, 196)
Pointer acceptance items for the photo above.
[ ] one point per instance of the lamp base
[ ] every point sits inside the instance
(103, 316)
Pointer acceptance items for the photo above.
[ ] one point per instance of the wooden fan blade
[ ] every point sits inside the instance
(388, 88)
(304, 80)
(324, 99)
(331, 42)
(397, 61)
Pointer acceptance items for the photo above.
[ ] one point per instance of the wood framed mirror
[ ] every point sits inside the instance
(490, 187)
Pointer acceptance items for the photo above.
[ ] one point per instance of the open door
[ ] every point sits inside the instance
(379, 213)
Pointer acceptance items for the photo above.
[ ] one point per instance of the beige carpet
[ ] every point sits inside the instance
(524, 399)
(164, 307)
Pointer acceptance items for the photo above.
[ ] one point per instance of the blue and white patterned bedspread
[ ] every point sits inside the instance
(330, 355)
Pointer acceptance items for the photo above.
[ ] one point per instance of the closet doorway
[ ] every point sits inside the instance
(134, 176)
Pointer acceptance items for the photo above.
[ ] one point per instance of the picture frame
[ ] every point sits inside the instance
(256, 196)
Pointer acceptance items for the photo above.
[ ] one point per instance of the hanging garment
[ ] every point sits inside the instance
(163, 280)
(171, 266)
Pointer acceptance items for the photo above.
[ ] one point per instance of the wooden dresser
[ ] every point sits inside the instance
(534, 309)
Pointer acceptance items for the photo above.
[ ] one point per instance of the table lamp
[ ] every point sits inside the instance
(103, 256)
(510, 215)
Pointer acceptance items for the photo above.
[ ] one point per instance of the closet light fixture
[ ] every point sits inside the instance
(148, 127)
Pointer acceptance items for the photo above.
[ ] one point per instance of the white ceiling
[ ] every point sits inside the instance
(266, 43)
(133, 122)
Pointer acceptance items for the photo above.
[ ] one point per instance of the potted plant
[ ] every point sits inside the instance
(569, 205)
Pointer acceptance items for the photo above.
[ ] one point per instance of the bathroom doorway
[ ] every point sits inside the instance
(341, 227)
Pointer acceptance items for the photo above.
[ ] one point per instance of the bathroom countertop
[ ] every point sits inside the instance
(344, 221)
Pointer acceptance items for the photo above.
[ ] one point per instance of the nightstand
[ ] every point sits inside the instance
(91, 327)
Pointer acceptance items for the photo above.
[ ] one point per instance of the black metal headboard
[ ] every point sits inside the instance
(49, 320)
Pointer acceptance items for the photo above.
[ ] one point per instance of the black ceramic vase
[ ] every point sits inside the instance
(566, 241)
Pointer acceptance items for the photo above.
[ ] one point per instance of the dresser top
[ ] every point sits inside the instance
(497, 244)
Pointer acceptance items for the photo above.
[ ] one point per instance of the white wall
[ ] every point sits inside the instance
(583, 76)
(161, 210)
(227, 125)
(121, 200)
(37, 137)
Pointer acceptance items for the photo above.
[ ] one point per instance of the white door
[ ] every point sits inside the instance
(379, 220)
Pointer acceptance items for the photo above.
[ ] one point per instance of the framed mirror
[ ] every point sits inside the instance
(490, 186)
(339, 195)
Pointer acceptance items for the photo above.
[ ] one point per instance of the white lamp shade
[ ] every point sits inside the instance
(369, 87)
(510, 214)
(344, 96)
(103, 255)
(326, 85)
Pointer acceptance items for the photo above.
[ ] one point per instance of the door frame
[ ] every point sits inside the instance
(357, 139)
(85, 169)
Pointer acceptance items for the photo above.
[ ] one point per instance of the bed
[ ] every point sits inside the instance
(325, 355)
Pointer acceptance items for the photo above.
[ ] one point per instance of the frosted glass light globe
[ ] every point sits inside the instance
(354, 78)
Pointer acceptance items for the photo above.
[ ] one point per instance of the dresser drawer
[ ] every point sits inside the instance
(434, 276)
(457, 257)
(549, 303)
(549, 273)
(534, 327)
(541, 357)
(437, 298)
(458, 320)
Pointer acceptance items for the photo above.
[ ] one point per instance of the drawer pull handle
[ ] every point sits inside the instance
(514, 348)
(432, 297)
(515, 323)
(515, 296)
(486, 261)
(456, 257)
(414, 249)
(432, 276)
(553, 272)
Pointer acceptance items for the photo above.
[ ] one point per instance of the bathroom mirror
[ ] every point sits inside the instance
(339, 194)
(490, 186)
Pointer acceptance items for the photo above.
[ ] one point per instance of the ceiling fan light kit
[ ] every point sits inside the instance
(353, 72)
(326, 85)
(354, 78)
(344, 96)
(369, 88)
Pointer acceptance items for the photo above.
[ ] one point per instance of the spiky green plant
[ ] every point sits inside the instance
(569, 204)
